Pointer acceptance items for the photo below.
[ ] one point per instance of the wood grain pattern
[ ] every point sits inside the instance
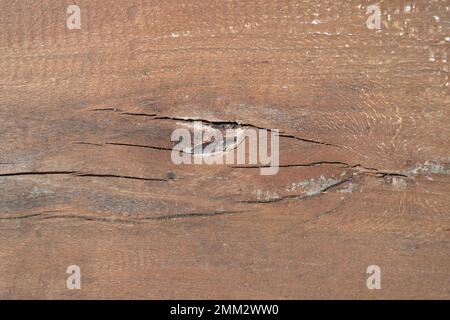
(86, 175)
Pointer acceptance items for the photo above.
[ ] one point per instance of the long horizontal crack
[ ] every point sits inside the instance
(311, 164)
(81, 174)
(192, 215)
(124, 144)
(140, 114)
(363, 170)
(138, 146)
(36, 173)
(78, 174)
(307, 140)
(28, 216)
(21, 217)
(45, 216)
(88, 218)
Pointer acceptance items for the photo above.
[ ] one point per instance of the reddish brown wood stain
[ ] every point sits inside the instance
(86, 176)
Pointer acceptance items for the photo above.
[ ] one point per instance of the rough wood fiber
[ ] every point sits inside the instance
(86, 176)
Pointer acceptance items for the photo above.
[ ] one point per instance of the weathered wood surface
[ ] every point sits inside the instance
(86, 176)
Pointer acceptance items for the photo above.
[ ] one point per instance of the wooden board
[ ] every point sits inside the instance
(86, 176)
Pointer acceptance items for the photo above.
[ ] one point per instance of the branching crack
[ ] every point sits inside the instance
(377, 173)
(215, 124)
(236, 124)
(301, 196)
